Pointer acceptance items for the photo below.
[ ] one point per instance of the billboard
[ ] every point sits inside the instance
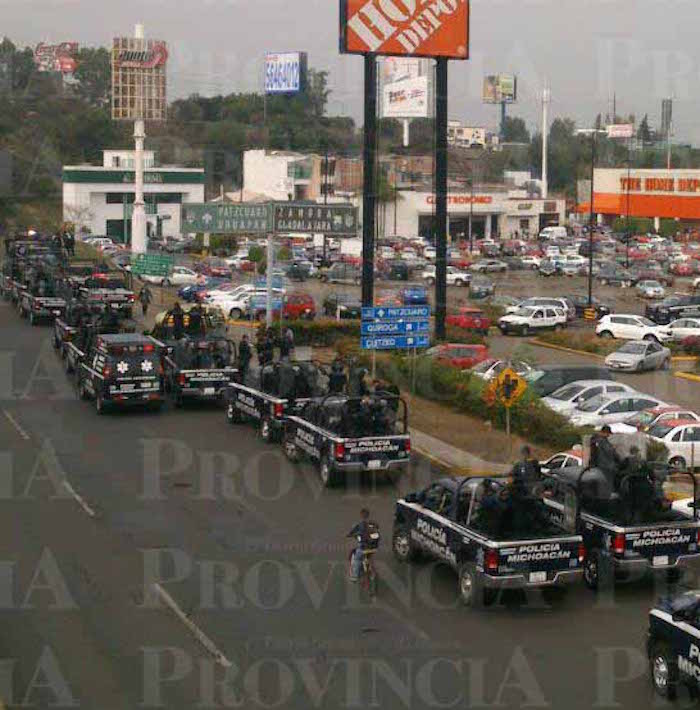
(407, 99)
(407, 28)
(500, 88)
(139, 79)
(56, 57)
(285, 72)
(399, 68)
(620, 130)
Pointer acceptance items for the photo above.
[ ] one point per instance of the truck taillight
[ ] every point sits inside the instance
(279, 410)
(581, 553)
(339, 451)
(107, 372)
(407, 446)
(132, 298)
(697, 537)
(618, 544)
(182, 380)
(491, 561)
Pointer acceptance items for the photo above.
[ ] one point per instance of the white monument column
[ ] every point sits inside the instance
(138, 218)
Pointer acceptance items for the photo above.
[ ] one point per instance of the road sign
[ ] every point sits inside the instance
(396, 313)
(315, 219)
(509, 387)
(151, 265)
(242, 218)
(395, 328)
(399, 342)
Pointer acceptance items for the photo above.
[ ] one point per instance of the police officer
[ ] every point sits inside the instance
(526, 474)
(145, 298)
(196, 326)
(178, 317)
(244, 357)
(266, 351)
(604, 456)
(337, 381)
(287, 344)
(110, 322)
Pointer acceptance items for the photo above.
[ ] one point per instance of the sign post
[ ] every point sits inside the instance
(508, 387)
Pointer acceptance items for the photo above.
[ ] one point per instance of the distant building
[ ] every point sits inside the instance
(99, 199)
(462, 136)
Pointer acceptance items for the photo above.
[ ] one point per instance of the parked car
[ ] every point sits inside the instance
(490, 368)
(488, 266)
(605, 409)
(580, 304)
(531, 262)
(414, 296)
(616, 277)
(631, 327)
(548, 378)
(682, 440)
(638, 356)
(299, 306)
(565, 459)
(532, 319)
(548, 268)
(539, 301)
(343, 305)
(180, 276)
(459, 355)
(470, 318)
(455, 276)
(481, 288)
(644, 420)
(650, 289)
(684, 328)
(674, 307)
(342, 273)
(681, 268)
(565, 399)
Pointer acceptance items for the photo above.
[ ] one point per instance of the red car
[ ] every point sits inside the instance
(299, 306)
(459, 355)
(682, 268)
(470, 318)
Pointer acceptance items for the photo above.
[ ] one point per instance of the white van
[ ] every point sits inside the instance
(553, 233)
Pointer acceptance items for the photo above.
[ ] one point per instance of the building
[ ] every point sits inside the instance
(655, 194)
(99, 199)
(493, 211)
(285, 175)
(463, 136)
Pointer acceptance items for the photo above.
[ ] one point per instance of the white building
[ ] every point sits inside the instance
(492, 212)
(99, 199)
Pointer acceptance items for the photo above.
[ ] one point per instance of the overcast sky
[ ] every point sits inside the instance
(642, 50)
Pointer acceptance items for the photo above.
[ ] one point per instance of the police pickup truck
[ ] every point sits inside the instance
(108, 288)
(632, 529)
(345, 434)
(271, 392)
(199, 368)
(673, 644)
(491, 538)
(121, 370)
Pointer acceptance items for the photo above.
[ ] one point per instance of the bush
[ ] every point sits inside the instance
(319, 333)
(587, 342)
(691, 346)
(462, 335)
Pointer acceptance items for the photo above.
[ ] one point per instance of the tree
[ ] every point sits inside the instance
(317, 92)
(94, 72)
(515, 130)
(644, 132)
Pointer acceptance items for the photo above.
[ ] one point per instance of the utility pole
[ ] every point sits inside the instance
(441, 198)
(546, 98)
(369, 198)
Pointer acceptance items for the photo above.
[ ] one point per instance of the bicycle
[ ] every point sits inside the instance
(367, 579)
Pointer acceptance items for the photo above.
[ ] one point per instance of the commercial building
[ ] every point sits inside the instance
(99, 199)
(284, 175)
(656, 194)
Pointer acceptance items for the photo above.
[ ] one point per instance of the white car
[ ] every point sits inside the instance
(682, 439)
(99, 242)
(532, 262)
(696, 284)
(631, 327)
(228, 291)
(684, 328)
(181, 276)
(455, 276)
(539, 301)
(488, 369)
(565, 459)
(531, 319)
(606, 409)
(568, 397)
(650, 289)
(429, 253)
(644, 420)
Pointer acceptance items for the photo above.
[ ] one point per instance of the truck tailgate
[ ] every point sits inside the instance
(662, 544)
(375, 452)
(539, 561)
(209, 381)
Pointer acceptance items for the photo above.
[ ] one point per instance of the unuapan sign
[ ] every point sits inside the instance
(420, 28)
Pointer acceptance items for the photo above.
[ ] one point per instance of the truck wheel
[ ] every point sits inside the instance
(290, 448)
(235, 314)
(470, 587)
(100, 404)
(606, 334)
(664, 670)
(82, 391)
(678, 463)
(329, 476)
(404, 550)
(598, 571)
(267, 433)
(233, 415)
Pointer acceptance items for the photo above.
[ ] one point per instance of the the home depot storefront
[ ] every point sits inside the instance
(491, 214)
(657, 194)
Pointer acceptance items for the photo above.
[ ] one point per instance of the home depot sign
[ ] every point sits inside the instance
(424, 28)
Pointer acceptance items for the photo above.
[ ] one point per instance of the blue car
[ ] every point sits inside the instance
(414, 296)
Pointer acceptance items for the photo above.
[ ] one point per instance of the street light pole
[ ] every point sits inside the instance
(627, 222)
(471, 215)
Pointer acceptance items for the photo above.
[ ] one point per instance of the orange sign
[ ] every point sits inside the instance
(462, 200)
(412, 28)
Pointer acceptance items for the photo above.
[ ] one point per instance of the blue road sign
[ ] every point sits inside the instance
(395, 327)
(396, 313)
(399, 342)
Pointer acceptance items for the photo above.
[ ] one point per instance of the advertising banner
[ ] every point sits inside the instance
(500, 88)
(407, 99)
(409, 28)
(285, 73)
(56, 57)
(620, 130)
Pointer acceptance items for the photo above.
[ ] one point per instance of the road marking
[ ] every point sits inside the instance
(403, 621)
(16, 425)
(196, 631)
(79, 499)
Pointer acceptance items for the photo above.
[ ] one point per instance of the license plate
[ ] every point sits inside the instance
(374, 465)
(127, 388)
(57, 313)
(538, 577)
(660, 561)
(209, 390)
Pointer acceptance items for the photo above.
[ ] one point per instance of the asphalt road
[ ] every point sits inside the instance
(104, 521)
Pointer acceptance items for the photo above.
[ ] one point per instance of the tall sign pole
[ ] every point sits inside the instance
(138, 217)
(369, 180)
(546, 98)
(441, 198)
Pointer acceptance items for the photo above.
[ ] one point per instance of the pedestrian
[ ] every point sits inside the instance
(196, 325)
(245, 355)
(178, 317)
(266, 351)
(287, 344)
(337, 381)
(146, 298)
(526, 473)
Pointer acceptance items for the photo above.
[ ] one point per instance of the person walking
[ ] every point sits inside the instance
(145, 298)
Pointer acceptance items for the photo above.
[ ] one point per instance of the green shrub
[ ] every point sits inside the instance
(462, 335)
(256, 254)
(587, 342)
(319, 333)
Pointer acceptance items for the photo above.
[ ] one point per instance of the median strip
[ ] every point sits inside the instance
(561, 348)
(687, 376)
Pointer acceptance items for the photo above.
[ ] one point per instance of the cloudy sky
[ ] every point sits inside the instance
(588, 50)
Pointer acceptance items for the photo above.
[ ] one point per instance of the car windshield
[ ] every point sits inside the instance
(566, 394)
(533, 375)
(646, 322)
(659, 431)
(481, 368)
(594, 403)
(643, 418)
(633, 349)
(525, 312)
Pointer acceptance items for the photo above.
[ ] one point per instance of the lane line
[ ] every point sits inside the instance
(16, 425)
(416, 630)
(208, 644)
(79, 499)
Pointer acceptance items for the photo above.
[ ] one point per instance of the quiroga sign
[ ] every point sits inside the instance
(419, 28)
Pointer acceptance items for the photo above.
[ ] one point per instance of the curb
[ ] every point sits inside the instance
(242, 324)
(687, 376)
(685, 358)
(454, 470)
(561, 348)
